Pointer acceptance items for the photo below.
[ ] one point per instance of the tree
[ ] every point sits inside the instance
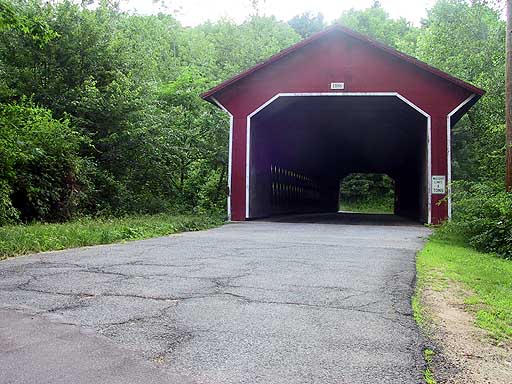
(467, 40)
(508, 102)
(307, 24)
(131, 85)
(223, 49)
(376, 23)
(42, 174)
(12, 18)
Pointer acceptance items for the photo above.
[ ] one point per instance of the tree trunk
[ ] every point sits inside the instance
(508, 97)
(220, 184)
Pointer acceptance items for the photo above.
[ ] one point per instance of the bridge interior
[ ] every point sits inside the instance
(302, 146)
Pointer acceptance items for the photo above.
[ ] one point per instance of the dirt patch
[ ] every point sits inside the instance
(465, 353)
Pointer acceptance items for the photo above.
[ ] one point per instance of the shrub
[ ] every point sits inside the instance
(482, 217)
(367, 193)
(41, 172)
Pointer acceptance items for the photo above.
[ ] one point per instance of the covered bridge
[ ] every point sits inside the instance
(334, 104)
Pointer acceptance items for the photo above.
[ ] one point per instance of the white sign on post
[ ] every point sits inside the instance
(438, 185)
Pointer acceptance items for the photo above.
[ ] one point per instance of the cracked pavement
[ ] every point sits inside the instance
(305, 300)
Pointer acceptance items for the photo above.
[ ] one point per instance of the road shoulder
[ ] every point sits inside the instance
(463, 350)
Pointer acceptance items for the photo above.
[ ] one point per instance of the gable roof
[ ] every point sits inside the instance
(338, 28)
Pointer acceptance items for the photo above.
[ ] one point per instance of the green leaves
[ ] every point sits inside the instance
(223, 49)
(467, 40)
(307, 24)
(360, 192)
(14, 18)
(482, 217)
(40, 166)
(376, 23)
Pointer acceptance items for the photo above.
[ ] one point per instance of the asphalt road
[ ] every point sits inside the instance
(308, 300)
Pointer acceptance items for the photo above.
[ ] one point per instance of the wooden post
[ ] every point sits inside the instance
(508, 98)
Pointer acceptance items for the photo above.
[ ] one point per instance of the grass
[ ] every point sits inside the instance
(487, 277)
(428, 375)
(24, 239)
(368, 206)
(417, 309)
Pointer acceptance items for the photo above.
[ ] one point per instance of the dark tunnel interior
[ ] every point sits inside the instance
(302, 146)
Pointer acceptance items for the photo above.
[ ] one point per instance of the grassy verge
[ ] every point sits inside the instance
(23, 239)
(487, 277)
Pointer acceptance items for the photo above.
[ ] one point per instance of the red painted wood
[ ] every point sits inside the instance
(439, 166)
(339, 57)
(237, 189)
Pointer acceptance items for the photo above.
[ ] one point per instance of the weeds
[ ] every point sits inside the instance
(23, 239)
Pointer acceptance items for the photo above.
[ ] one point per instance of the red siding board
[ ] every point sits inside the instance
(439, 166)
(237, 189)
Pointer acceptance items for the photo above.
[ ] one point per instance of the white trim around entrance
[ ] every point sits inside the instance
(391, 94)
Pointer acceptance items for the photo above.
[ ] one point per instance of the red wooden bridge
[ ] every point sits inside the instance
(335, 104)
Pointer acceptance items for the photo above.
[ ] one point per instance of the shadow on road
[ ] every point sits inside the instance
(344, 218)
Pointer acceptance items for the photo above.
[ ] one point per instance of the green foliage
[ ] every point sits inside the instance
(40, 167)
(367, 193)
(482, 217)
(488, 277)
(130, 84)
(467, 40)
(223, 49)
(179, 147)
(13, 18)
(24, 239)
(376, 23)
(307, 24)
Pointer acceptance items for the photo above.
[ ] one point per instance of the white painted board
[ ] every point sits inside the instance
(438, 185)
